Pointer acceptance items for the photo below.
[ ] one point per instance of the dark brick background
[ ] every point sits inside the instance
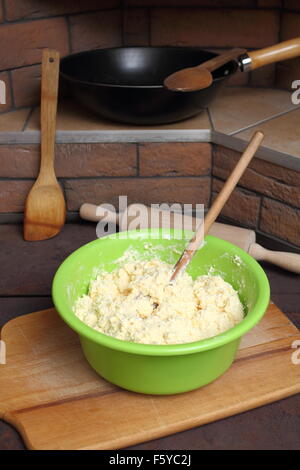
(28, 26)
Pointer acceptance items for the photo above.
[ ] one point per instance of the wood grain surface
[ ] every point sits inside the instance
(56, 401)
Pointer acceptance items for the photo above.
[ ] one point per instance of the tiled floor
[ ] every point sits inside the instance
(73, 117)
(235, 113)
(239, 107)
(281, 133)
(14, 121)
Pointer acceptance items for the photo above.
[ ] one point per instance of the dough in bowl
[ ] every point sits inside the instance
(136, 303)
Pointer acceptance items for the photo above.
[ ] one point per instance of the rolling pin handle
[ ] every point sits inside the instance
(285, 260)
(89, 212)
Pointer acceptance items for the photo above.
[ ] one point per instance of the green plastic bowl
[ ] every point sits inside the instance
(161, 369)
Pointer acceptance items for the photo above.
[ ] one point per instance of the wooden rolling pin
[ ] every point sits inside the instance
(242, 237)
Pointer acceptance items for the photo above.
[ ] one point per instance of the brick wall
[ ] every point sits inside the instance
(27, 26)
(267, 198)
(98, 173)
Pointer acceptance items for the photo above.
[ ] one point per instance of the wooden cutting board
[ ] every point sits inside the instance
(56, 401)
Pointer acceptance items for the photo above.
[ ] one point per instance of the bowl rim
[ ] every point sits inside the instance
(250, 320)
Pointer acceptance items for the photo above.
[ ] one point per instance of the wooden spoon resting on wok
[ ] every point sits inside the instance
(200, 77)
(197, 78)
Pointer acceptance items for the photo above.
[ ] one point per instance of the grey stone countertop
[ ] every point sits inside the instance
(230, 120)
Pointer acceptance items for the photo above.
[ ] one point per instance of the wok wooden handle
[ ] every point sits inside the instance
(289, 261)
(50, 74)
(282, 51)
(218, 204)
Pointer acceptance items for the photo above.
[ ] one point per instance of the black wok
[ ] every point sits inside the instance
(126, 83)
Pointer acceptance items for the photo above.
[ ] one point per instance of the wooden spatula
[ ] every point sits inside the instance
(218, 204)
(45, 207)
(196, 78)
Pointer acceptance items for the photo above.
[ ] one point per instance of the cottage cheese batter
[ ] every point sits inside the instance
(136, 303)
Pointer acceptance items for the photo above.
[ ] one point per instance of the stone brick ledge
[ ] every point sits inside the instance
(267, 198)
(98, 173)
(262, 177)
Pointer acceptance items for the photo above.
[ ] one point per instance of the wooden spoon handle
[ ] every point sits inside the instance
(49, 91)
(282, 51)
(218, 204)
(218, 61)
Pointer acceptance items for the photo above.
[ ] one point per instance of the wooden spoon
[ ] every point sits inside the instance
(45, 207)
(218, 204)
(196, 78)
